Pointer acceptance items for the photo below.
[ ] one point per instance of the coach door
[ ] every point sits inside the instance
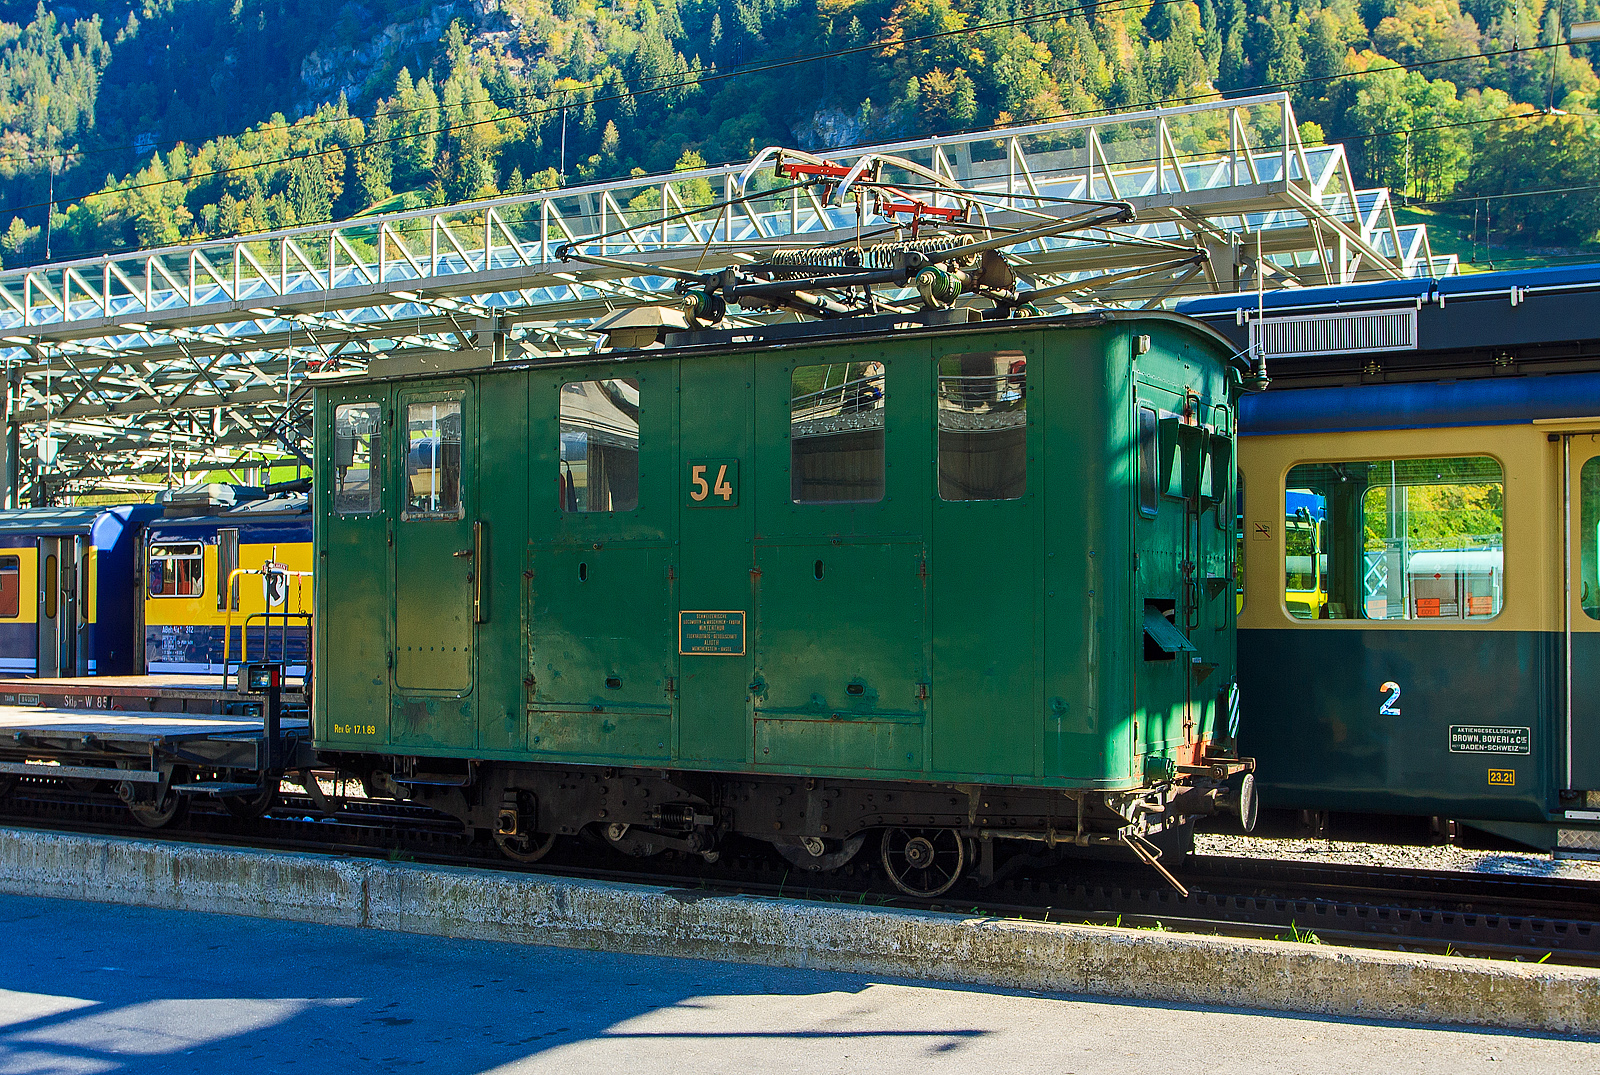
(58, 606)
(1583, 454)
(437, 547)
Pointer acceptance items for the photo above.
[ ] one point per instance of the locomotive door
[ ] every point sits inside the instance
(437, 543)
(58, 606)
(985, 603)
(1584, 611)
(601, 567)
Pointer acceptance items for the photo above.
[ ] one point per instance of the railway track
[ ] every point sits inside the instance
(1440, 911)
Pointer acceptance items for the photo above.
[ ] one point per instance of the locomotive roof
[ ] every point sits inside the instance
(810, 334)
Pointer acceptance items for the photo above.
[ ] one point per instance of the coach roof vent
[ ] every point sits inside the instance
(1335, 333)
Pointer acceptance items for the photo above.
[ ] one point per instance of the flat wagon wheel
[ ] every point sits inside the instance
(251, 807)
(158, 815)
(524, 846)
(923, 862)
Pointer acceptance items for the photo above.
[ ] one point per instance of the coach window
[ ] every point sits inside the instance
(1589, 540)
(356, 488)
(177, 569)
(10, 587)
(433, 459)
(836, 433)
(983, 425)
(1404, 539)
(600, 445)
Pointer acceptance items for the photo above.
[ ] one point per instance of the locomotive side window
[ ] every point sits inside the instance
(357, 486)
(177, 569)
(599, 445)
(1404, 539)
(433, 459)
(1589, 540)
(1149, 461)
(983, 425)
(836, 433)
(10, 587)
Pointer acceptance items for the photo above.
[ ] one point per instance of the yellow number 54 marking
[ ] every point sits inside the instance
(714, 483)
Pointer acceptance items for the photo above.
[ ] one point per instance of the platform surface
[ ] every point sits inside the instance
(95, 988)
(128, 725)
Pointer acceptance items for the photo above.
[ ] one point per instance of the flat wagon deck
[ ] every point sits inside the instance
(156, 693)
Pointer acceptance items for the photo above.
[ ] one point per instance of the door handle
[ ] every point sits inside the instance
(465, 552)
(480, 602)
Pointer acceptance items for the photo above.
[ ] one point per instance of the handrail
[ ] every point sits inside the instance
(271, 567)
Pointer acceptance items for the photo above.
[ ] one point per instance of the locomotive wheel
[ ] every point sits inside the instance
(250, 807)
(154, 815)
(525, 846)
(831, 854)
(923, 862)
(7, 782)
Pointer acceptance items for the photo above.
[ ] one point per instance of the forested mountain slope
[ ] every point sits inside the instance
(172, 119)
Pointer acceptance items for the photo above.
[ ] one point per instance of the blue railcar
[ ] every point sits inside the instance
(68, 590)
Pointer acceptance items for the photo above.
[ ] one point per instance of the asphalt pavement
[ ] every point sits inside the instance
(98, 988)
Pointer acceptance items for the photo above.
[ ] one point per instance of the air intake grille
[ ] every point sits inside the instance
(1335, 334)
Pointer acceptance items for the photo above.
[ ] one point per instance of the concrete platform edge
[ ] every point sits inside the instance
(532, 909)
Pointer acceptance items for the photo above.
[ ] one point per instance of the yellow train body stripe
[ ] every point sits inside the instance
(201, 610)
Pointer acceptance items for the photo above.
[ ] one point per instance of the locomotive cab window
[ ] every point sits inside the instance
(1589, 538)
(177, 569)
(1149, 462)
(983, 425)
(1405, 539)
(356, 489)
(433, 459)
(599, 445)
(10, 587)
(836, 433)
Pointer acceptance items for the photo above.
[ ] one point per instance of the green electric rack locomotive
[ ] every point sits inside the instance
(928, 582)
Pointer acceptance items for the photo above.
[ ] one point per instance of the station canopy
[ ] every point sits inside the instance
(131, 370)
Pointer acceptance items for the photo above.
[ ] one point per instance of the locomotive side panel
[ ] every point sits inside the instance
(906, 557)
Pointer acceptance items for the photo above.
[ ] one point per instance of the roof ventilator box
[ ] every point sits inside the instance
(1335, 333)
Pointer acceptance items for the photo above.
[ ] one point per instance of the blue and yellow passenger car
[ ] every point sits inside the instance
(1438, 653)
(68, 590)
(238, 582)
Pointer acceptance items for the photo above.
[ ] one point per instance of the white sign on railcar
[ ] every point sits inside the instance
(1490, 739)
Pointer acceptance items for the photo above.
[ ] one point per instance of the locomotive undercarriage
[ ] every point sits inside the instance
(928, 835)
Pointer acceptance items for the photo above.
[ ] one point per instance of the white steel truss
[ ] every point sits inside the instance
(131, 369)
